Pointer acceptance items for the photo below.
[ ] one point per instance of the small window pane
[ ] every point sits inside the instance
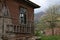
(21, 15)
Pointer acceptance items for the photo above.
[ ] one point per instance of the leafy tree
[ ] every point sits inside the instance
(53, 14)
(50, 18)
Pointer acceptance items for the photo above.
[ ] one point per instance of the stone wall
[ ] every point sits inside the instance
(4, 22)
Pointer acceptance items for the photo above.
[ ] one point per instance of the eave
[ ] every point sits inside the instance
(30, 3)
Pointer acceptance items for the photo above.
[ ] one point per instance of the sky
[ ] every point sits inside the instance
(44, 4)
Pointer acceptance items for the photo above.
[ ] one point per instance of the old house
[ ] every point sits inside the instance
(17, 19)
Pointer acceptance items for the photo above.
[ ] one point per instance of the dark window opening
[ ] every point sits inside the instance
(22, 15)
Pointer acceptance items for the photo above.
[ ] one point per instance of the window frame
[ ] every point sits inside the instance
(5, 11)
(24, 16)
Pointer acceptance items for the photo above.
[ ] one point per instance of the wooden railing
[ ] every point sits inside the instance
(21, 29)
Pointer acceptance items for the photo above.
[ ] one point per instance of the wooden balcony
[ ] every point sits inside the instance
(20, 29)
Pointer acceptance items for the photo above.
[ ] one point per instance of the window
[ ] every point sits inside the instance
(5, 11)
(22, 15)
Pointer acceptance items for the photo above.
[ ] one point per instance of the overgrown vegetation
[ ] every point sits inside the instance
(49, 20)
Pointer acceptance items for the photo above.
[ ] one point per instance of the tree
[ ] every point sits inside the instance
(49, 19)
(51, 16)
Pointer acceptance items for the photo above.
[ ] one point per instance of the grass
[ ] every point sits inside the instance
(50, 38)
(44, 37)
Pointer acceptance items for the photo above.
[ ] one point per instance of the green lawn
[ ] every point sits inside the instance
(50, 38)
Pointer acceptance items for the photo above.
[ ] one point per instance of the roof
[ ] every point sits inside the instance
(30, 3)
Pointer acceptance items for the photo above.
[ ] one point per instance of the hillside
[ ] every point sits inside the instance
(37, 16)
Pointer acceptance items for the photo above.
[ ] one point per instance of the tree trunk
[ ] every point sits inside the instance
(53, 31)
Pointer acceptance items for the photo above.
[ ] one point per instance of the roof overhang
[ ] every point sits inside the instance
(30, 3)
(33, 4)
